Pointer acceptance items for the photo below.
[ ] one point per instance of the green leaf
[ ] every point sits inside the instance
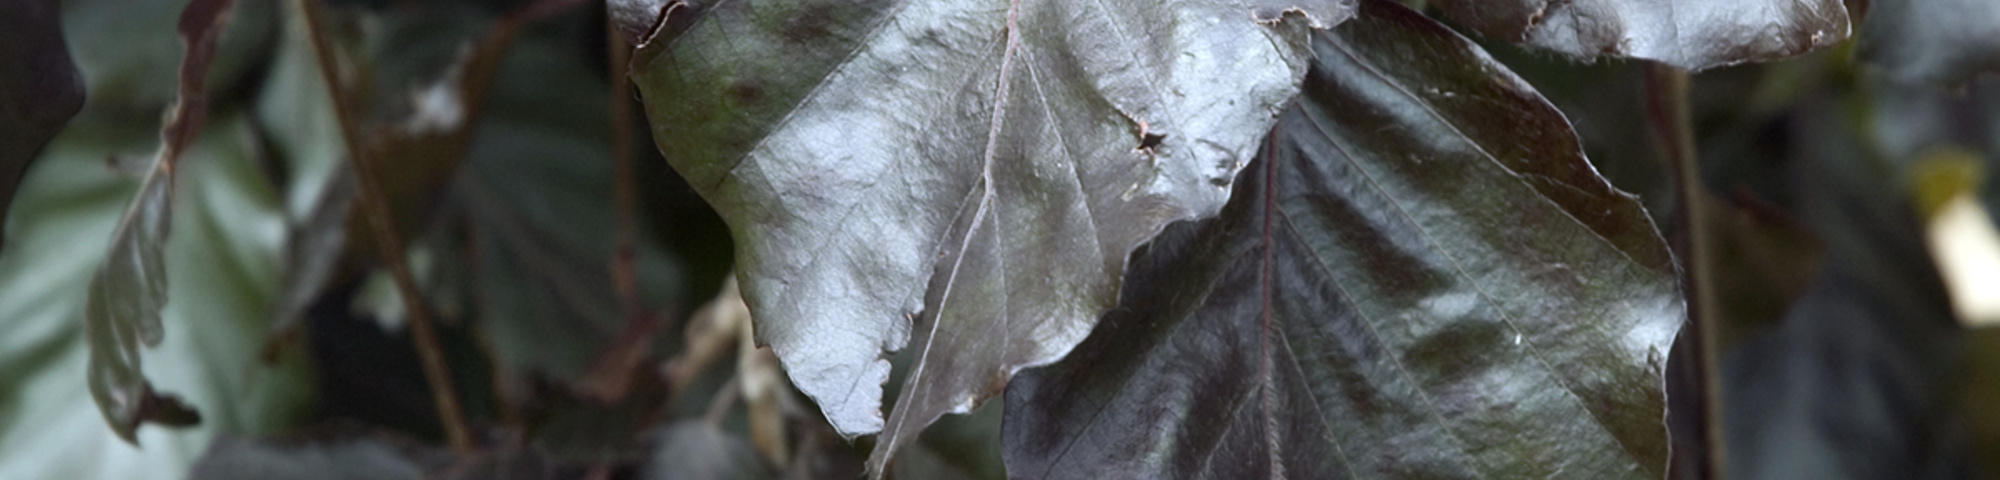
(498, 163)
(989, 165)
(220, 264)
(222, 274)
(1421, 278)
(1941, 41)
(1690, 34)
(536, 197)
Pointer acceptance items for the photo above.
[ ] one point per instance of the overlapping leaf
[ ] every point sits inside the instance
(989, 164)
(1691, 34)
(1421, 278)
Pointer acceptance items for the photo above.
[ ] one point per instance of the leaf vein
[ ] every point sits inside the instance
(1506, 316)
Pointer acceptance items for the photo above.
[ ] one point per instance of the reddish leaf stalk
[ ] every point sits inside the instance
(610, 376)
(1669, 113)
(623, 271)
(1273, 449)
(200, 27)
(375, 205)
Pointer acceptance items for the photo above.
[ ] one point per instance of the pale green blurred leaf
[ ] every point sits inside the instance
(220, 264)
(222, 272)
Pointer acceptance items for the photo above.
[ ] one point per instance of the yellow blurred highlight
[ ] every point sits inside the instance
(1960, 233)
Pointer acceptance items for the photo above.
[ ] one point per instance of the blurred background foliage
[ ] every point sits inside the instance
(1842, 355)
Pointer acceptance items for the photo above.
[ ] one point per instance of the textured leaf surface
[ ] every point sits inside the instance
(1691, 34)
(1944, 41)
(989, 164)
(1421, 278)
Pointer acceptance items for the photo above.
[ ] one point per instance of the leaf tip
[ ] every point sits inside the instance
(1319, 14)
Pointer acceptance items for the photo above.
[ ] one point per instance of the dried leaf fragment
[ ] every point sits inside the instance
(128, 292)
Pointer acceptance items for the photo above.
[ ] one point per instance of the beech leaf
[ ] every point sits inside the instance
(970, 173)
(1690, 34)
(1422, 277)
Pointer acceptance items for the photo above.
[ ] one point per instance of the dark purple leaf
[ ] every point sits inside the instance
(988, 165)
(1421, 277)
(1691, 34)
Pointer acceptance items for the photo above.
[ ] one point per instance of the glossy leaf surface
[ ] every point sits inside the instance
(988, 164)
(1691, 34)
(1421, 278)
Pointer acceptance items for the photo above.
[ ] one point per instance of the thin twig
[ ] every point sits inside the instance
(376, 206)
(1673, 127)
(610, 376)
(624, 271)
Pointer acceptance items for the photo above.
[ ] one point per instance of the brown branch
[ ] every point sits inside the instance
(375, 206)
